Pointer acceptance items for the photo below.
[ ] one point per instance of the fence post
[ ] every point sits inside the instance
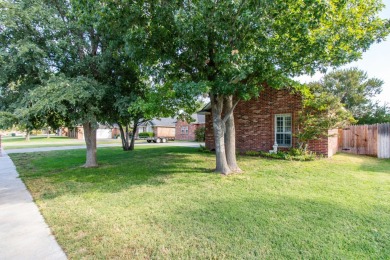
(383, 141)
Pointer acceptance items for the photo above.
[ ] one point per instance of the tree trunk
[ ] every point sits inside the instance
(127, 138)
(219, 134)
(48, 133)
(27, 137)
(305, 148)
(230, 135)
(133, 134)
(124, 137)
(90, 141)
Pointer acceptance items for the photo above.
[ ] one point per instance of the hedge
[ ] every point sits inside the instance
(146, 134)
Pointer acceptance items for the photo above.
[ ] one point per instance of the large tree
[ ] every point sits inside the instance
(138, 91)
(351, 86)
(76, 100)
(59, 49)
(231, 49)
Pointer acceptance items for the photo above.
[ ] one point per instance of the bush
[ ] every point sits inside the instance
(295, 155)
(305, 157)
(252, 153)
(200, 134)
(296, 151)
(278, 155)
(146, 134)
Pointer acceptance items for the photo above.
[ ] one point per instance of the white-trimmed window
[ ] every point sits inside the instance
(184, 130)
(283, 127)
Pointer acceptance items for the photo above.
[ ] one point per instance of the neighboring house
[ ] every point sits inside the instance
(71, 132)
(163, 127)
(103, 132)
(270, 118)
(186, 131)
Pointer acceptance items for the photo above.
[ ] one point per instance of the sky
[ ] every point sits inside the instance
(375, 61)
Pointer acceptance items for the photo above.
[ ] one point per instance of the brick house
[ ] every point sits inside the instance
(160, 127)
(186, 131)
(272, 116)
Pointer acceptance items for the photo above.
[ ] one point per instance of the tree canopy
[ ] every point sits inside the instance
(374, 113)
(352, 86)
(233, 48)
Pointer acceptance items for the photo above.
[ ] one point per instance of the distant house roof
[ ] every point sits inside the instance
(205, 110)
(199, 118)
(171, 122)
(196, 119)
(165, 121)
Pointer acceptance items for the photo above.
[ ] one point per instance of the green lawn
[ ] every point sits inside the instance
(165, 202)
(54, 141)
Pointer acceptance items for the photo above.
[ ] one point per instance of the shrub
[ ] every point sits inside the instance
(278, 155)
(252, 153)
(200, 134)
(291, 155)
(296, 151)
(146, 134)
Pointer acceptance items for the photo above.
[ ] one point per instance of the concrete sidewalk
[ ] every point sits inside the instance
(23, 231)
(61, 148)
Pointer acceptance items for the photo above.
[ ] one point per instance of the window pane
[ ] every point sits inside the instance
(287, 139)
(279, 139)
(279, 124)
(287, 123)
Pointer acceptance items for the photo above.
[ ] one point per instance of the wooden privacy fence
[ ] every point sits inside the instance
(371, 140)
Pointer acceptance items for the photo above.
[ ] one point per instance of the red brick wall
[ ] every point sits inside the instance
(255, 122)
(191, 130)
(76, 133)
(115, 132)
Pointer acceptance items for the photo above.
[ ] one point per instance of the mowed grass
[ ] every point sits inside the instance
(43, 141)
(166, 202)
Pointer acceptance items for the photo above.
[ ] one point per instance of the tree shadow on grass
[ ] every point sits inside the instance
(376, 165)
(117, 169)
(365, 163)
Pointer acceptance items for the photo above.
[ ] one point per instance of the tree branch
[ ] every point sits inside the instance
(229, 113)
